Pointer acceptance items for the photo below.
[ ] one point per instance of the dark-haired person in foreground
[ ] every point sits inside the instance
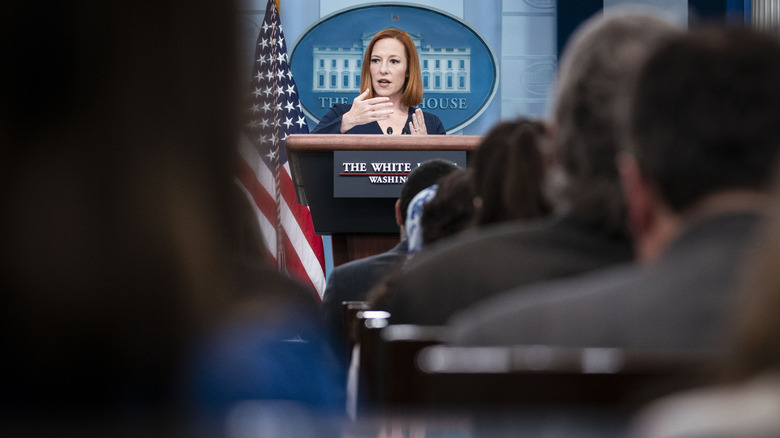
(118, 257)
(589, 232)
(510, 169)
(703, 137)
(745, 402)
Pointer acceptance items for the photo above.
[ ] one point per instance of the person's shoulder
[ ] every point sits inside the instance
(476, 241)
(714, 411)
(353, 265)
(390, 256)
(534, 307)
(255, 277)
(426, 114)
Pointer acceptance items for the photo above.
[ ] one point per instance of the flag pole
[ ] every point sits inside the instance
(281, 263)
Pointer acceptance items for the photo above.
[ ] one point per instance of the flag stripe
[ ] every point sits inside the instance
(302, 215)
(259, 189)
(260, 199)
(294, 264)
(262, 223)
(301, 258)
(300, 244)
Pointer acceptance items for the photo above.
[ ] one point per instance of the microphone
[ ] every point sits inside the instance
(405, 130)
(389, 130)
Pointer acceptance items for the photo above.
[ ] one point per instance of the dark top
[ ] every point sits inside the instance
(352, 281)
(684, 300)
(475, 265)
(331, 123)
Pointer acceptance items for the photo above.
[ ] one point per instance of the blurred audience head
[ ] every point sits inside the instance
(597, 65)
(509, 172)
(704, 116)
(702, 122)
(422, 177)
(451, 210)
(117, 125)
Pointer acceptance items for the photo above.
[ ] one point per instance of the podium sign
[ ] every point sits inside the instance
(381, 174)
(361, 226)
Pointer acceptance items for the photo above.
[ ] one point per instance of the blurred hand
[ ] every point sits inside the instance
(366, 111)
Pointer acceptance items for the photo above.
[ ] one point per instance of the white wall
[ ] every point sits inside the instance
(676, 10)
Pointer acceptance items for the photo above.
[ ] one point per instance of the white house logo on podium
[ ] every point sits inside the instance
(459, 71)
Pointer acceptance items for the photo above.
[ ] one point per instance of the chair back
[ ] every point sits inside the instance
(349, 334)
(535, 375)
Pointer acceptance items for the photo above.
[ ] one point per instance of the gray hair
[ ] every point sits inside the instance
(596, 69)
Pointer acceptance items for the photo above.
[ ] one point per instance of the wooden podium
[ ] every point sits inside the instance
(364, 226)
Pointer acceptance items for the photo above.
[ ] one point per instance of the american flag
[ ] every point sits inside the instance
(274, 112)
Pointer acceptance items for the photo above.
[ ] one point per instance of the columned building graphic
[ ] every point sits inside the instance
(337, 69)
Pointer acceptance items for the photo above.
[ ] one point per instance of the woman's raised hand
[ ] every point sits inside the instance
(366, 111)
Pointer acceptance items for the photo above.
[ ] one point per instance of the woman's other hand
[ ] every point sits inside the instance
(417, 125)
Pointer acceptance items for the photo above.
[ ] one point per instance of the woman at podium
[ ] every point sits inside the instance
(391, 86)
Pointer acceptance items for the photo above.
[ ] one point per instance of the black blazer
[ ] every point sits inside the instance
(353, 280)
(475, 265)
(331, 122)
(683, 300)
